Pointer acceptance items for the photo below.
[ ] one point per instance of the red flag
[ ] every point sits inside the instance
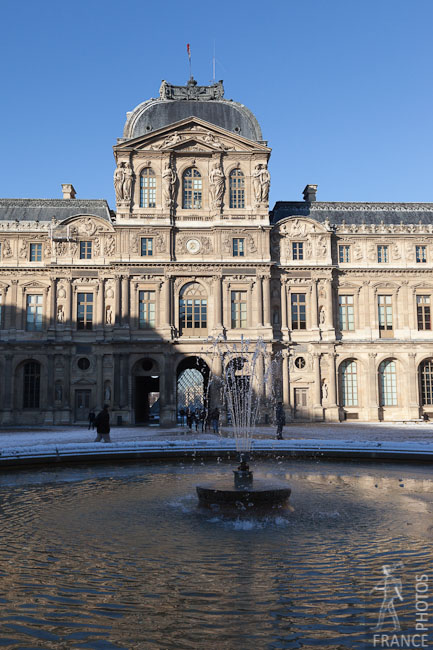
(189, 51)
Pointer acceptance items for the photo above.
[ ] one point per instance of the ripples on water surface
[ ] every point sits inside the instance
(120, 557)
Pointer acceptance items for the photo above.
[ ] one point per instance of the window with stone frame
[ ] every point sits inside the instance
(238, 247)
(426, 380)
(193, 310)
(237, 189)
(146, 311)
(346, 312)
(34, 309)
(35, 252)
(31, 384)
(298, 250)
(238, 309)
(349, 383)
(385, 314)
(421, 254)
(382, 254)
(298, 311)
(423, 312)
(388, 383)
(85, 250)
(147, 188)
(146, 246)
(192, 189)
(344, 253)
(84, 311)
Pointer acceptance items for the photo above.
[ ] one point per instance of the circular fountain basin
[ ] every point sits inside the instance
(259, 493)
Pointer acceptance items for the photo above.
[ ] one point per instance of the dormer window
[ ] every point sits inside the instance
(147, 188)
(192, 189)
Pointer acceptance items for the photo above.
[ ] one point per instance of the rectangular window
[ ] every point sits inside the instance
(385, 313)
(239, 309)
(85, 250)
(346, 311)
(238, 247)
(84, 311)
(421, 254)
(146, 246)
(299, 313)
(382, 254)
(146, 309)
(35, 252)
(298, 250)
(344, 254)
(423, 312)
(34, 313)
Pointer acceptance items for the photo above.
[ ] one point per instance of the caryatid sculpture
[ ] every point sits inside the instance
(216, 185)
(168, 185)
(261, 183)
(127, 182)
(119, 178)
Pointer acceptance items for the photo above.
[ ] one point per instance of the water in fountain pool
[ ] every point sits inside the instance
(122, 557)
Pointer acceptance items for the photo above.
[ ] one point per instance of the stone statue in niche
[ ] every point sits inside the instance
(322, 316)
(109, 316)
(23, 250)
(168, 185)
(59, 392)
(216, 185)
(324, 390)
(322, 247)
(107, 393)
(110, 245)
(60, 314)
(7, 250)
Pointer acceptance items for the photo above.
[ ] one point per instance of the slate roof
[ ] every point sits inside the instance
(45, 209)
(355, 213)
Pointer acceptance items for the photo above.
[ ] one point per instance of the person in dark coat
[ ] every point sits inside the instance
(91, 419)
(280, 419)
(215, 418)
(189, 418)
(102, 423)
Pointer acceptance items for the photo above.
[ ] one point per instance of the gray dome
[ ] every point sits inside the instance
(176, 103)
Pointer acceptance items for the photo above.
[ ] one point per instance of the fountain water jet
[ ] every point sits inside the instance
(246, 381)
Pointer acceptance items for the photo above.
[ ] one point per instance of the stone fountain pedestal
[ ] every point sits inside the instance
(245, 492)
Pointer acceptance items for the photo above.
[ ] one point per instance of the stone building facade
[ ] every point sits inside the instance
(101, 306)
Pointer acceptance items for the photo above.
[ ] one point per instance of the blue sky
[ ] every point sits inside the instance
(342, 88)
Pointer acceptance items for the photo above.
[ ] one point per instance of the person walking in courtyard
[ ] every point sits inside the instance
(189, 417)
(91, 419)
(102, 423)
(215, 418)
(280, 419)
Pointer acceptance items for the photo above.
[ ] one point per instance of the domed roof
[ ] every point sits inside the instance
(176, 103)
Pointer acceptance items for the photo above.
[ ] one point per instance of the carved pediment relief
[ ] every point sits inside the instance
(82, 226)
(33, 285)
(298, 227)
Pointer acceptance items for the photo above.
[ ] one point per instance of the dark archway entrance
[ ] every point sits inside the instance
(146, 392)
(192, 385)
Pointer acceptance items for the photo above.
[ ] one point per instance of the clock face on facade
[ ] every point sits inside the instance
(193, 246)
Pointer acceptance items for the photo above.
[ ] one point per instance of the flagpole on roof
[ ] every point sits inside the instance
(188, 49)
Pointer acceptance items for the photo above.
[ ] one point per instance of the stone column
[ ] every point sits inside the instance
(125, 301)
(7, 389)
(49, 397)
(68, 314)
(124, 382)
(317, 381)
(267, 301)
(165, 293)
(99, 391)
(283, 306)
(53, 289)
(332, 412)
(249, 305)
(286, 383)
(100, 315)
(329, 304)
(117, 316)
(13, 306)
(218, 322)
(373, 403)
(67, 380)
(116, 387)
(314, 323)
(412, 380)
(259, 301)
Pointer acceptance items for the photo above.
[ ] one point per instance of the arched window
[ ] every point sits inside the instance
(426, 376)
(147, 188)
(32, 383)
(192, 189)
(193, 310)
(388, 383)
(237, 189)
(349, 383)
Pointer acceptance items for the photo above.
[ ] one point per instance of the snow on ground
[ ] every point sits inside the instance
(321, 435)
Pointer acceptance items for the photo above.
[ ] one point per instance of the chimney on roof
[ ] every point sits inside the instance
(68, 191)
(309, 193)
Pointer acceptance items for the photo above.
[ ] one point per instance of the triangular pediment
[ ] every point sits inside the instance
(192, 132)
(34, 285)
